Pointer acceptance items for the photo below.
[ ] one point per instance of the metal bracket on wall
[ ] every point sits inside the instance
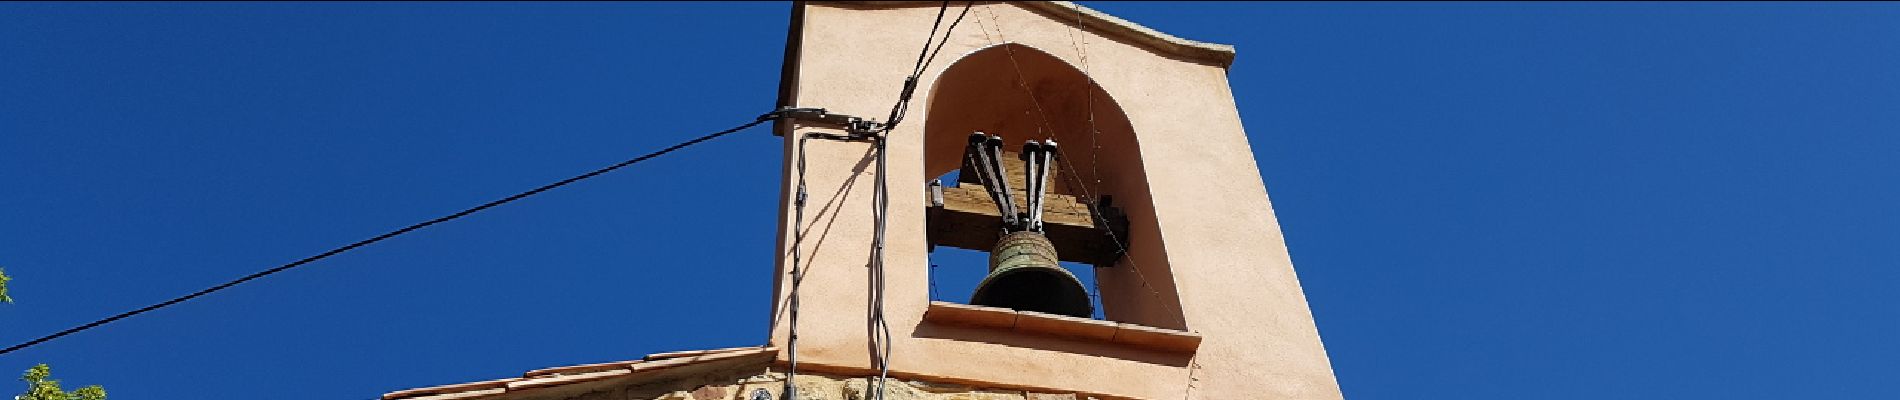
(858, 127)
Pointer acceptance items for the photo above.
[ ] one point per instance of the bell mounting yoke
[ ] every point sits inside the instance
(985, 151)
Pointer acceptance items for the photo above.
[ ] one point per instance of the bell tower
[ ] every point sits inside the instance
(1043, 133)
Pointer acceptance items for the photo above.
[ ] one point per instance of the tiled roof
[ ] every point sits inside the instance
(549, 378)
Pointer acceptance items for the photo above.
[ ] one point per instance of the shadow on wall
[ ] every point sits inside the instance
(829, 213)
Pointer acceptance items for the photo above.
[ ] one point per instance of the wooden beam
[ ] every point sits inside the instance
(968, 219)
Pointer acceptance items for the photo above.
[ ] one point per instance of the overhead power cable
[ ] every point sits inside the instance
(875, 132)
(411, 228)
(925, 57)
(880, 195)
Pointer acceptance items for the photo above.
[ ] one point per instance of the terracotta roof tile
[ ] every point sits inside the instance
(573, 374)
(455, 388)
(557, 380)
(468, 395)
(578, 369)
(678, 354)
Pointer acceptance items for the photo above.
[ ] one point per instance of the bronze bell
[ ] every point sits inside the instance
(1025, 276)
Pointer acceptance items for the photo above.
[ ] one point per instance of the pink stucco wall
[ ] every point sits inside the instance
(1213, 243)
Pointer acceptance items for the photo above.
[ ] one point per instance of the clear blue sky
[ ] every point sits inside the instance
(1483, 201)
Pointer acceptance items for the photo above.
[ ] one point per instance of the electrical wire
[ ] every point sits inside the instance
(1048, 132)
(877, 133)
(798, 251)
(1095, 147)
(881, 329)
(411, 228)
(881, 196)
(798, 274)
(925, 57)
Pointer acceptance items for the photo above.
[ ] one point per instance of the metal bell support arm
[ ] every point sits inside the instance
(989, 170)
(1030, 185)
(1037, 158)
(993, 149)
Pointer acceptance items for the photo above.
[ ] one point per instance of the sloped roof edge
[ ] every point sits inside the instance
(1221, 55)
(1109, 25)
(584, 373)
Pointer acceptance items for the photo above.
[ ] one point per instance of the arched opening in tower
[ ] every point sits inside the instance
(1099, 216)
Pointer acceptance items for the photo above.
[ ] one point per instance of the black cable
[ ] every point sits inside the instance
(932, 37)
(798, 272)
(881, 198)
(798, 275)
(761, 119)
(925, 57)
(881, 334)
(946, 38)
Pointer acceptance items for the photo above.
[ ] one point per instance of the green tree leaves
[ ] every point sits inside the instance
(40, 385)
